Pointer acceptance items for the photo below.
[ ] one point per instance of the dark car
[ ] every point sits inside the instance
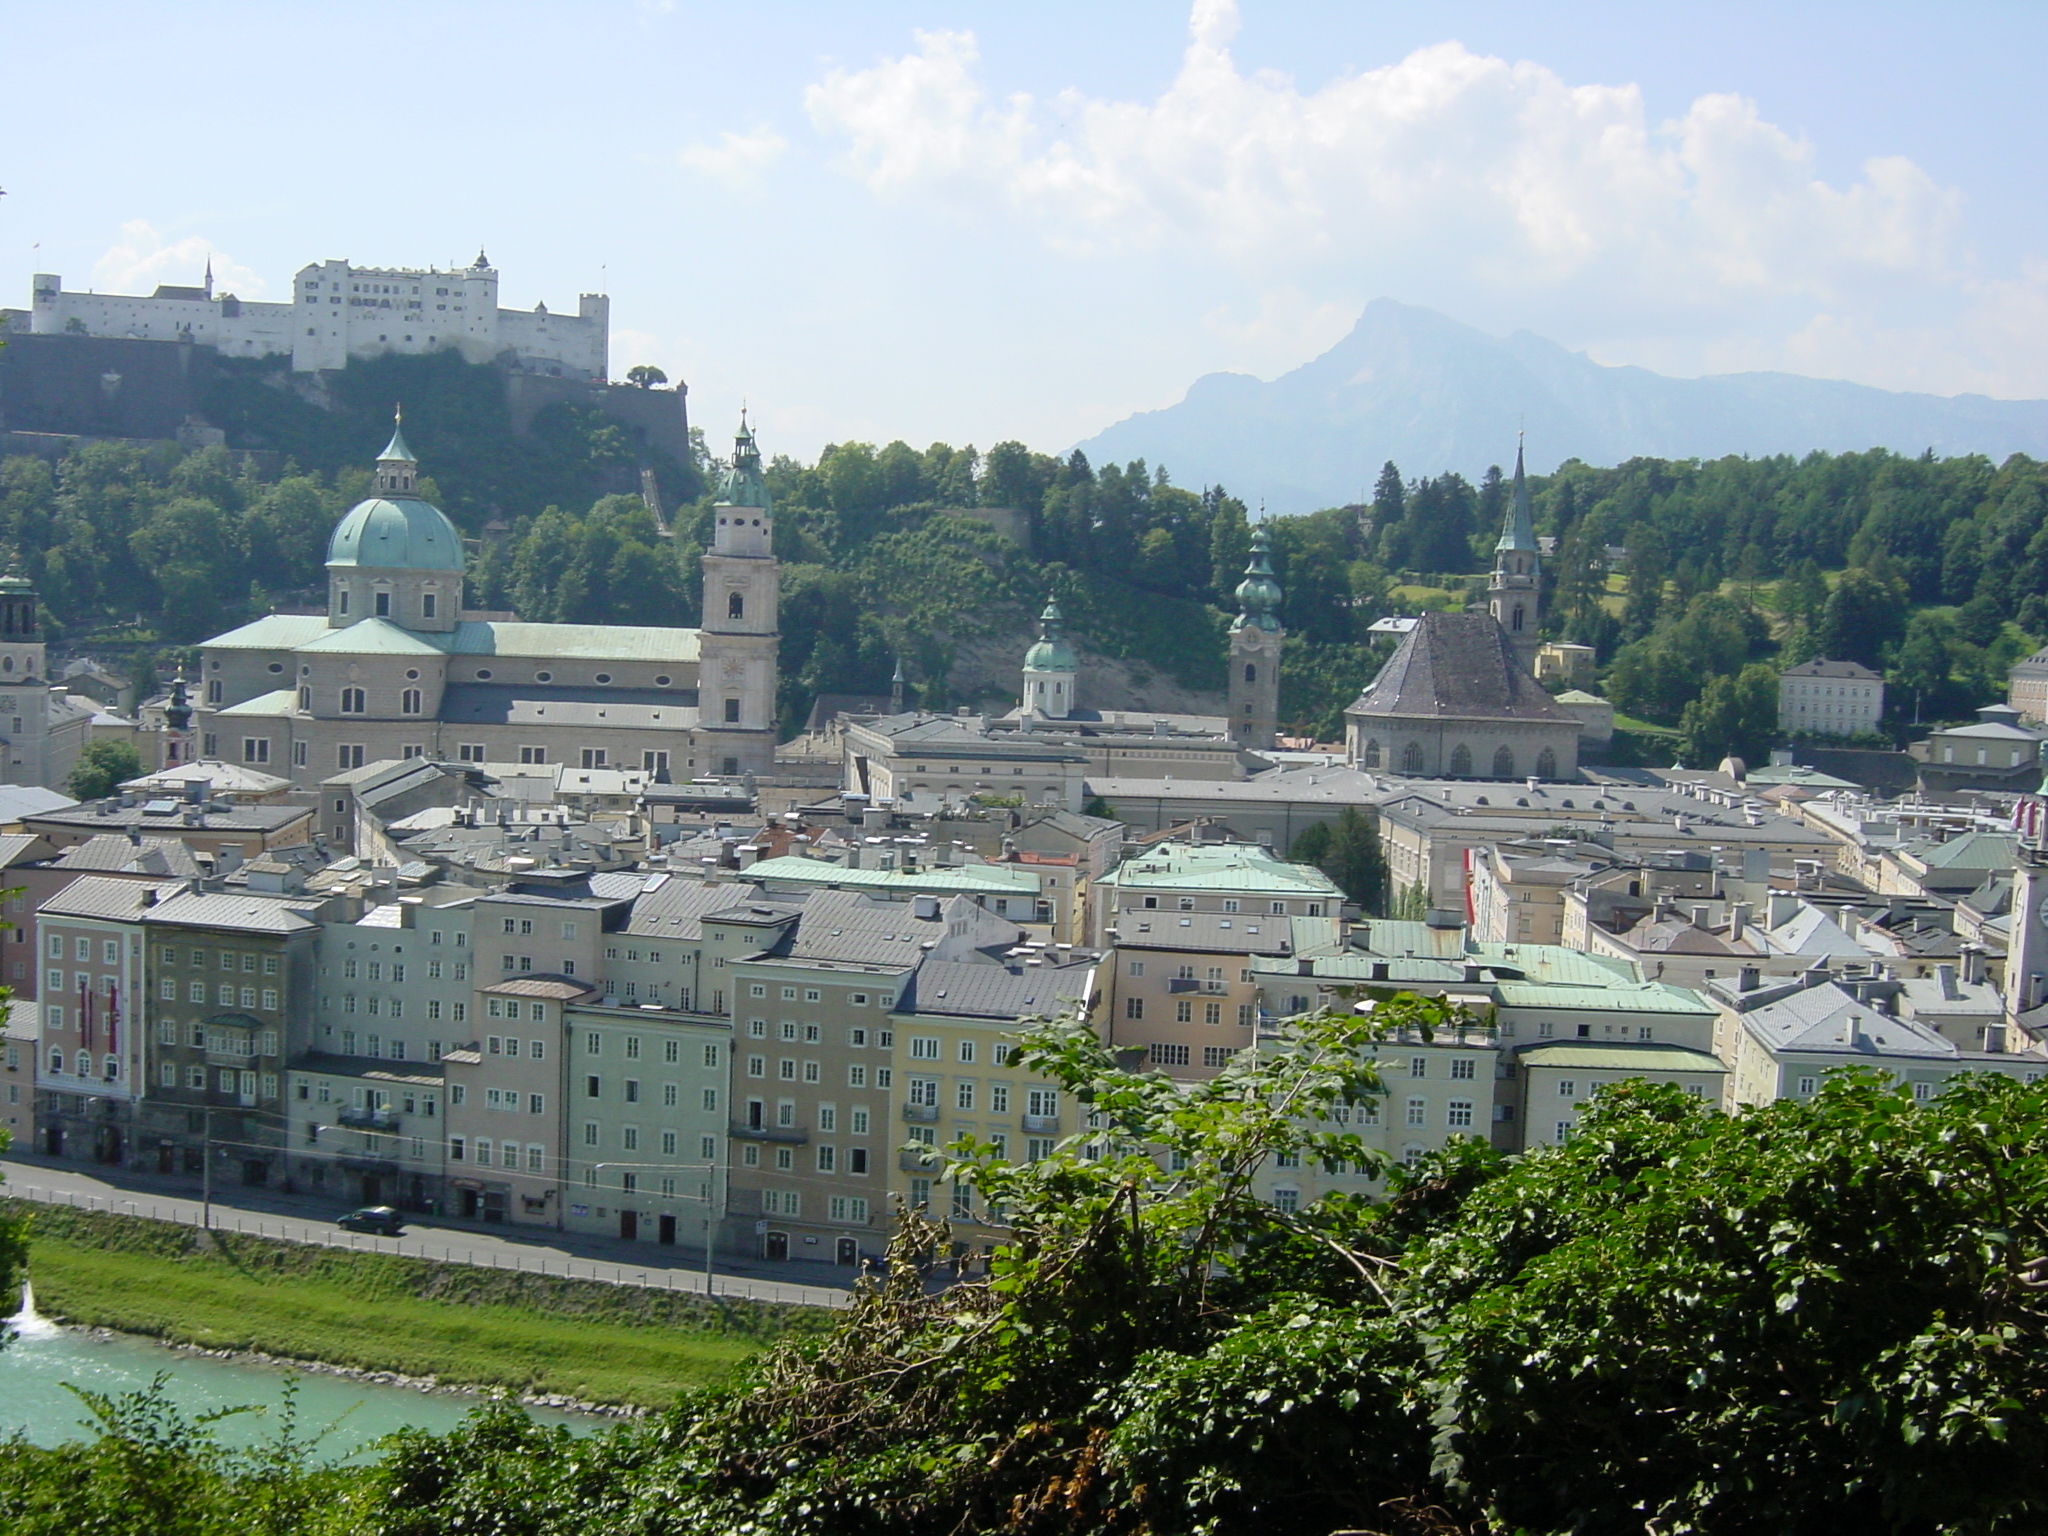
(374, 1218)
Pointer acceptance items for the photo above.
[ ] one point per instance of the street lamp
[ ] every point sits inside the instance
(709, 1200)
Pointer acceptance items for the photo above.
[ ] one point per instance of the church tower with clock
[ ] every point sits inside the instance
(738, 640)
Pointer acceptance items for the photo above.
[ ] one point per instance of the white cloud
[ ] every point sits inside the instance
(140, 259)
(737, 158)
(1491, 188)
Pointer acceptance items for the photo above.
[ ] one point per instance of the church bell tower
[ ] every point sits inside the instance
(1255, 641)
(1515, 594)
(739, 639)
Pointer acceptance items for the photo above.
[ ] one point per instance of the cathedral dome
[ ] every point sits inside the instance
(396, 533)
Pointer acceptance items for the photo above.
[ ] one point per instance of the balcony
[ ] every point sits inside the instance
(918, 1162)
(925, 1114)
(370, 1119)
(787, 1133)
(1045, 1124)
(233, 1056)
(1180, 984)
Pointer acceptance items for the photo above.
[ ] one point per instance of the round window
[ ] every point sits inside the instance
(305, 671)
(483, 673)
(412, 672)
(277, 666)
(544, 677)
(604, 677)
(662, 681)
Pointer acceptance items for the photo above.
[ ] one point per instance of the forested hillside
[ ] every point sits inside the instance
(1694, 580)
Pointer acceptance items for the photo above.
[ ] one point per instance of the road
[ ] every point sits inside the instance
(266, 1213)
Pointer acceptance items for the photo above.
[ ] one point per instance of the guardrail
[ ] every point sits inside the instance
(311, 1232)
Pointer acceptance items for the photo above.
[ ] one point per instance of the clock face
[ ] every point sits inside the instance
(2044, 911)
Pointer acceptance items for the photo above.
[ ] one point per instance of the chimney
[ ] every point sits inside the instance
(1738, 920)
(1816, 974)
(1973, 965)
(1945, 981)
(1748, 978)
(1702, 917)
(149, 895)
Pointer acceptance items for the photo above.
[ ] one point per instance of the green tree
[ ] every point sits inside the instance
(645, 376)
(1733, 717)
(1864, 615)
(101, 768)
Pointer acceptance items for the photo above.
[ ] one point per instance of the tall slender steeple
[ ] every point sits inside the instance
(1515, 594)
(1255, 642)
(740, 639)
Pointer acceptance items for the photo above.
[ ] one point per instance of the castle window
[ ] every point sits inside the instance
(1504, 764)
(1517, 625)
(428, 604)
(409, 702)
(736, 606)
(1411, 757)
(1546, 764)
(353, 701)
(1461, 761)
(732, 711)
(1251, 672)
(384, 605)
(1370, 757)
(343, 595)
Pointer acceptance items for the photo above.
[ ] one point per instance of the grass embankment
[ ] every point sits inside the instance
(479, 1327)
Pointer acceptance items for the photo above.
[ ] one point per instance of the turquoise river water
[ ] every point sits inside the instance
(37, 1361)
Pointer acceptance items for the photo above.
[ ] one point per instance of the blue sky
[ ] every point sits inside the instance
(966, 222)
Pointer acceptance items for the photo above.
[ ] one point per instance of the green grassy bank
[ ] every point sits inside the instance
(483, 1327)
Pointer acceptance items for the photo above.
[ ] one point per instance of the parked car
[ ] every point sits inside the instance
(374, 1218)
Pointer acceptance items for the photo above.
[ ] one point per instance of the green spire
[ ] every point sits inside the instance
(1258, 595)
(1518, 524)
(396, 451)
(1051, 653)
(744, 485)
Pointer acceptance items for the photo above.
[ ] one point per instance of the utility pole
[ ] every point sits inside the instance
(206, 1173)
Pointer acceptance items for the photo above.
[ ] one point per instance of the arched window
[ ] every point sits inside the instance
(1546, 764)
(352, 701)
(1504, 764)
(1251, 673)
(1461, 761)
(409, 702)
(1411, 758)
(736, 606)
(1517, 625)
(1370, 757)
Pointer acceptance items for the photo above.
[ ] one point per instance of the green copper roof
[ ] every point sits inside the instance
(743, 485)
(1518, 527)
(396, 448)
(396, 533)
(1591, 1057)
(990, 879)
(1258, 595)
(373, 637)
(1051, 653)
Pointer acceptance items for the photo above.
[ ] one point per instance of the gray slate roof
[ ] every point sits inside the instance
(957, 989)
(1458, 666)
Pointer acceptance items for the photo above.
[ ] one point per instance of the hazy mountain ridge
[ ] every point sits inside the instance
(1414, 386)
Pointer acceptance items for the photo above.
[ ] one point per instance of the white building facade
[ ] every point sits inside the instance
(1830, 698)
(339, 311)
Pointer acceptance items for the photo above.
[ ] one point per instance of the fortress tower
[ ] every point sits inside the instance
(1255, 641)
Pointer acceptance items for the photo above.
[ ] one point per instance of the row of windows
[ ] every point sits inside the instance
(230, 1080)
(1184, 1011)
(1164, 1053)
(110, 949)
(671, 1050)
(671, 1093)
(228, 959)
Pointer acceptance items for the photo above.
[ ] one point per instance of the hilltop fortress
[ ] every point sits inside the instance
(338, 311)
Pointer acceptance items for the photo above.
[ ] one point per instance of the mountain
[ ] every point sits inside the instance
(1419, 388)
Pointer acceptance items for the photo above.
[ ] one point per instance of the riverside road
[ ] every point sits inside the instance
(268, 1213)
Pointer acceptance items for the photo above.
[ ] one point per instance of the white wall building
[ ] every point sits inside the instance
(1830, 698)
(338, 311)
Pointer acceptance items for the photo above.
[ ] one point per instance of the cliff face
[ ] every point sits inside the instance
(1431, 394)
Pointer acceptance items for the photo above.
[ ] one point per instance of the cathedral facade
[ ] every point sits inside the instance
(395, 668)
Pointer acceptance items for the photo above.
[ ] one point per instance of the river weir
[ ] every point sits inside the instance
(41, 1359)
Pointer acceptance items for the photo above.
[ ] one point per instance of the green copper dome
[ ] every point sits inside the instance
(396, 533)
(1258, 595)
(1051, 653)
(743, 485)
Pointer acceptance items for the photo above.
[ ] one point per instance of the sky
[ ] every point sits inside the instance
(951, 221)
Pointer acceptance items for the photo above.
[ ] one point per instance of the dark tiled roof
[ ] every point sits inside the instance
(1820, 666)
(1458, 666)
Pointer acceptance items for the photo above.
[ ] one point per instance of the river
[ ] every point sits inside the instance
(40, 1357)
